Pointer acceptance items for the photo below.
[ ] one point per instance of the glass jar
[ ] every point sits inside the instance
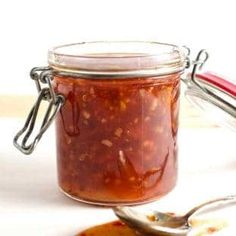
(117, 130)
(116, 106)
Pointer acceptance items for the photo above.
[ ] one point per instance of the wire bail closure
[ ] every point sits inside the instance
(207, 91)
(41, 76)
(197, 64)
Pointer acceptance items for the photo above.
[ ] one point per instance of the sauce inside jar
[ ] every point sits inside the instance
(116, 138)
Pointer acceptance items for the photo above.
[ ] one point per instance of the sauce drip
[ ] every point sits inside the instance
(115, 228)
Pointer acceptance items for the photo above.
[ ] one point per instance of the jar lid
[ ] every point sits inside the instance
(125, 58)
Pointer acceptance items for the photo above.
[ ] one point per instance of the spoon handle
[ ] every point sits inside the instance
(197, 208)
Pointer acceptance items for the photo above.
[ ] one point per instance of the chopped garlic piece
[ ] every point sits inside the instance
(106, 142)
(118, 132)
(86, 115)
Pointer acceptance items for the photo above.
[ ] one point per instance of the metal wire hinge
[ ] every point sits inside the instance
(208, 93)
(196, 64)
(41, 76)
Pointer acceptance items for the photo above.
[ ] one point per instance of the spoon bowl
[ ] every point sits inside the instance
(164, 224)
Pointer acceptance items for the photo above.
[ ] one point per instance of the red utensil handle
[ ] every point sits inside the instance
(218, 82)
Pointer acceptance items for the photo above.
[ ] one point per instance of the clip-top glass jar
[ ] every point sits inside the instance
(117, 130)
(116, 106)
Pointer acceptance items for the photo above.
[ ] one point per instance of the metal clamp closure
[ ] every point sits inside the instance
(197, 64)
(208, 93)
(41, 76)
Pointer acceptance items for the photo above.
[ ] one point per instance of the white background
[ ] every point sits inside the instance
(29, 27)
(30, 203)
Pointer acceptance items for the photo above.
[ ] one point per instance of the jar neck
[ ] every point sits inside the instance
(118, 59)
(114, 74)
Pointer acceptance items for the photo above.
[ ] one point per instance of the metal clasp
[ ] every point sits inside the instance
(197, 64)
(207, 93)
(41, 76)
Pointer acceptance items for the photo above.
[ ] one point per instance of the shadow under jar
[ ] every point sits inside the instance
(117, 130)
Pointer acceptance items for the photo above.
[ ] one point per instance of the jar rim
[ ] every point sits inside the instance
(118, 58)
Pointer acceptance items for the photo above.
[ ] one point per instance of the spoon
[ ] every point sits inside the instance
(163, 224)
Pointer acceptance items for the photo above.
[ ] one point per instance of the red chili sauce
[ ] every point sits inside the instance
(115, 228)
(116, 138)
